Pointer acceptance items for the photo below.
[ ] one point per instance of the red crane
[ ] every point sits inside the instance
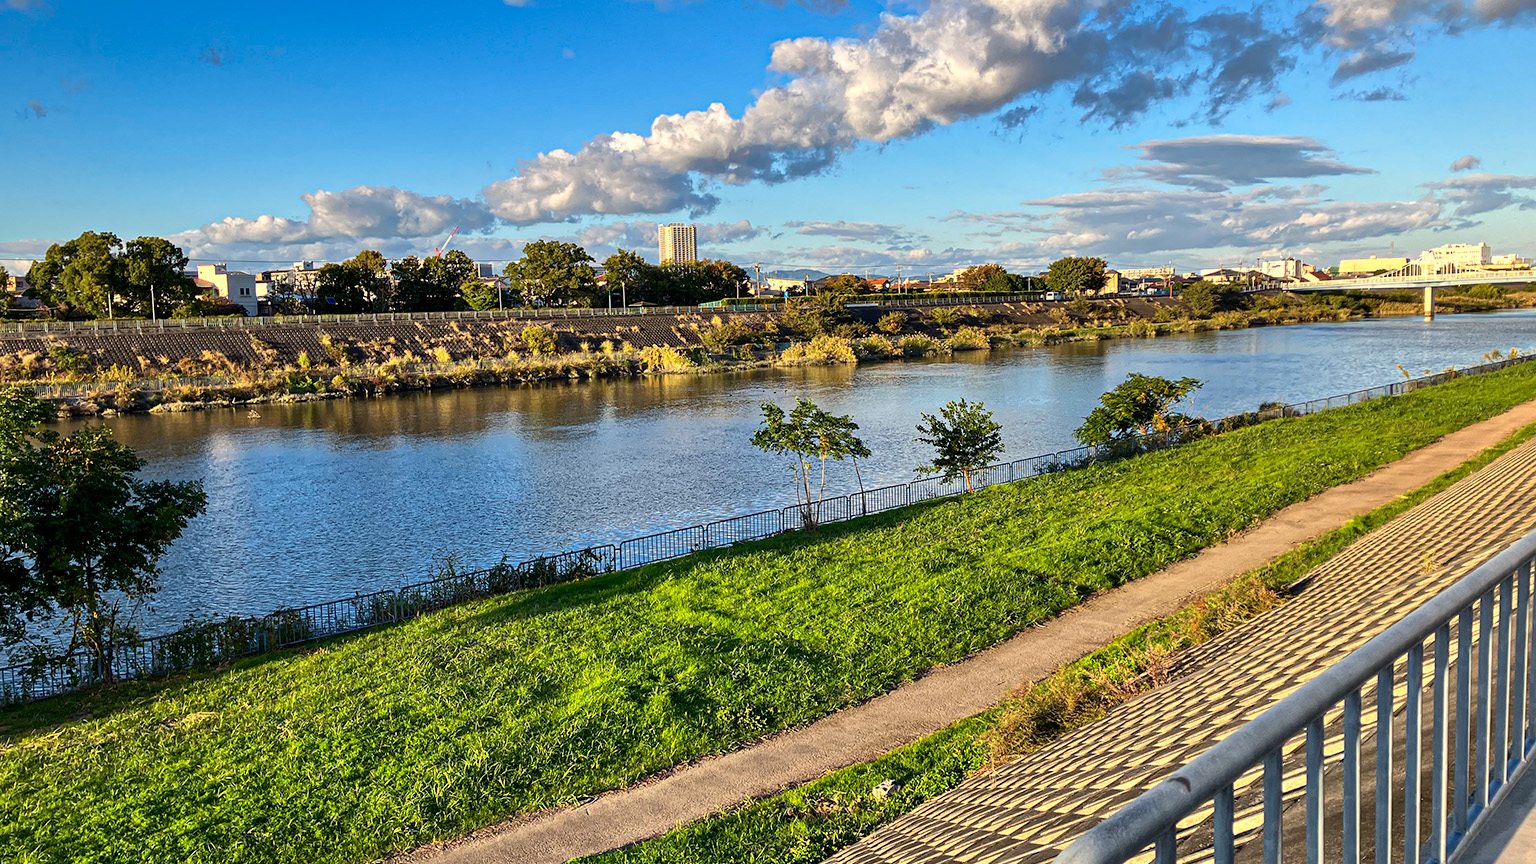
(438, 253)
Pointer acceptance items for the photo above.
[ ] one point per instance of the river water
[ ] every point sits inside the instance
(314, 501)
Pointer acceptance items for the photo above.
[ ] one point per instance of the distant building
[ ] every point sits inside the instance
(1460, 255)
(1509, 262)
(679, 243)
(786, 286)
(1368, 266)
(1283, 268)
(1139, 274)
(233, 285)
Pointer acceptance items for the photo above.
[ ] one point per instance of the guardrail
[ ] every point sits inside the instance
(236, 322)
(234, 637)
(1474, 755)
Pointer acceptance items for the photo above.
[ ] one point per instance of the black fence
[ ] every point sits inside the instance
(220, 641)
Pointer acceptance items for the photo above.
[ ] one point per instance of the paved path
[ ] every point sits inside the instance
(1510, 836)
(950, 693)
(1027, 811)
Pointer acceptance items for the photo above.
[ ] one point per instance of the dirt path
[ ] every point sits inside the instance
(949, 693)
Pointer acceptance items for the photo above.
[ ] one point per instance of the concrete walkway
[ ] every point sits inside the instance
(950, 693)
(1510, 836)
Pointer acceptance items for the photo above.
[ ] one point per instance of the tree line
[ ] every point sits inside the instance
(99, 275)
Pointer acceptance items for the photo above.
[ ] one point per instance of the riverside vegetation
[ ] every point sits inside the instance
(362, 746)
(817, 330)
(811, 822)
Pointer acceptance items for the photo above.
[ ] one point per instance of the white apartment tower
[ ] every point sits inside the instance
(1443, 258)
(679, 243)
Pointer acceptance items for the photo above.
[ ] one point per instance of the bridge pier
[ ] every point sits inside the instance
(1429, 302)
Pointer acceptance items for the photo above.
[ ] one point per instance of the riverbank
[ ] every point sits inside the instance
(811, 822)
(131, 372)
(374, 744)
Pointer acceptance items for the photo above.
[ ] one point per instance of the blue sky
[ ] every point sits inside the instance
(849, 134)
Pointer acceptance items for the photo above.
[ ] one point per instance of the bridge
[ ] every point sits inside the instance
(1416, 275)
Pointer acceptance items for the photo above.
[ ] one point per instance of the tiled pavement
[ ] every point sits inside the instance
(1029, 810)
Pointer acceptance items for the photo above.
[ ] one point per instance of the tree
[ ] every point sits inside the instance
(626, 271)
(1076, 275)
(978, 278)
(345, 289)
(965, 439)
(485, 295)
(817, 314)
(84, 273)
(1139, 404)
(552, 273)
(847, 283)
(80, 535)
(5, 291)
(1206, 298)
(155, 275)
(430, 284)
(809, 433)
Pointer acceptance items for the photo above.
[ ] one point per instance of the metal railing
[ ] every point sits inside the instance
(1236, 793)
(238, 322)
(234, 637)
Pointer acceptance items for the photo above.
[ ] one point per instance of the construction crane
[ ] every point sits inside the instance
(438, 252)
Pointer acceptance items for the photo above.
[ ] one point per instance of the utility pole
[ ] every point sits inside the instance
(757, 282)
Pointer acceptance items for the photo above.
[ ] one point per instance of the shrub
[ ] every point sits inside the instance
(66, 358)
(945, 316)
(541, 341)
(822, 349)
(969, 339)
(877, 346)
(916, 345)
(664, 358)
(893, 323)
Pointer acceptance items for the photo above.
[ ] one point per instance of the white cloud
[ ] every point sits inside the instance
(359, 212)
(869, 232)
(1482, 193)
(953, 60)
(1217, 162)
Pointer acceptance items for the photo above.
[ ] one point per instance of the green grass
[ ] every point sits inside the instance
(429, 729)
(811, 822)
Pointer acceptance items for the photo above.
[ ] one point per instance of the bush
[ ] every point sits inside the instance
(664, 358)
(541, 340)
(893, 323)
(945, 316)
(917, 345)
(969, 339)
(878, 346)
(822, 349)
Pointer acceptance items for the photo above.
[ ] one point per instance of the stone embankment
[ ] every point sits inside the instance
(146, 350)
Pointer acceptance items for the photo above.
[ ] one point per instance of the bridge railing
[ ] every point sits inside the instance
(221, 640)
(1237, 793)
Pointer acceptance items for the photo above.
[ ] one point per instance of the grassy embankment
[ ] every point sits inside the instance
(811, 822)
(370, 744)
(514, 356)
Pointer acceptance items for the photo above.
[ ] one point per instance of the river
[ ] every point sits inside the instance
(314, 501)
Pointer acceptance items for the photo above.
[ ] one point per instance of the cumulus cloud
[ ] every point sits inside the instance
(1352, 20)
(1218, 162)
(1466, 163)
(953, 60)
(1472, 194)
(362, 211)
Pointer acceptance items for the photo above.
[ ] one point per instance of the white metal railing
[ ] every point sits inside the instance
(1476, 750)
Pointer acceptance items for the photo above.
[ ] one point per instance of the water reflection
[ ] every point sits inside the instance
(313, 501)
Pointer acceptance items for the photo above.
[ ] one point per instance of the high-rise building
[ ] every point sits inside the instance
(679, 243)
